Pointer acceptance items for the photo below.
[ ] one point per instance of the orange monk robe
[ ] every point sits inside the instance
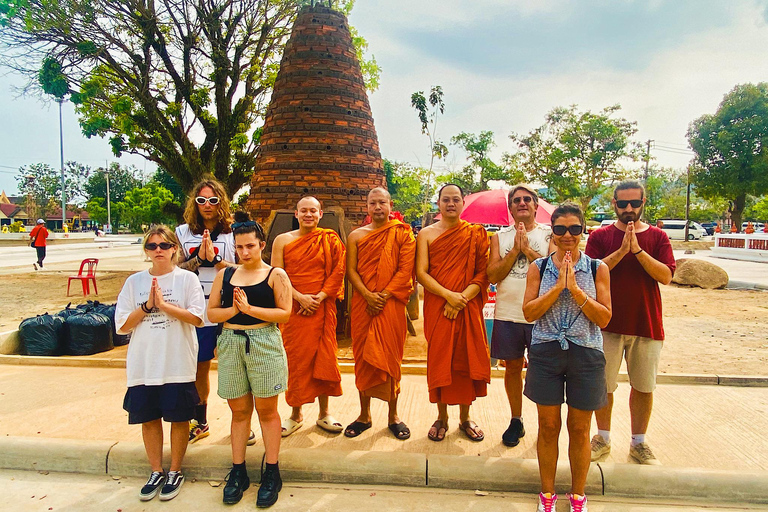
(385, 261)
(458, 362)
(314, 263)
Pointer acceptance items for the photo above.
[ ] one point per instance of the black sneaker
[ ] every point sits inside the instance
(155, 482)
(172, 485)
(271, 483)
(514, 433)
(237, 483)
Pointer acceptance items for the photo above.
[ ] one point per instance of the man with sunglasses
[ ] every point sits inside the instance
(639, 257)
(512, 251)
(207, 245)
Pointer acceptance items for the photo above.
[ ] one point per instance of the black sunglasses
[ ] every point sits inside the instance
(151, 246)
(636, 203)
(560, 230)
(527, 199)
(202, 200)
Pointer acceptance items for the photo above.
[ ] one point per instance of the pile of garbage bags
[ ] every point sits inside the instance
(80, 331)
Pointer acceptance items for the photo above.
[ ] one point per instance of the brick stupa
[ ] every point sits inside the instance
(318, 136)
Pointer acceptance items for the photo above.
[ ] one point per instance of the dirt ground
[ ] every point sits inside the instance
(707, 331)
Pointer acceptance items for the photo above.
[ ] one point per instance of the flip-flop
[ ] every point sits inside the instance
(471, 426)
(290, 426)
(438, 426)
(356, 428)
(400, 431)
(330, 424)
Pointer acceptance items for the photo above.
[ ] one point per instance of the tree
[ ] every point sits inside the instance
(428, 110)
(730, 148)
(145, 206)
(759, 210)
(163, 178)
(475, 176)
(42, 184)
(406, 187)
(121, 180)
(183, 84)
(575, 153)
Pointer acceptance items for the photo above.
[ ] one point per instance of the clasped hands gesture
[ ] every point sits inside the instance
(206, 251)
(240, 301)
(156, 299)
(566, 278)
(454, 303)
(629, 242)
(309, 303)
(521, 238)
(376, 302)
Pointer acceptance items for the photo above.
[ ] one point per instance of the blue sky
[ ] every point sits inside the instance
(503, 64)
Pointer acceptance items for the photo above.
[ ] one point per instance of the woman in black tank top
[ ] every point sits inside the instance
(249, 301)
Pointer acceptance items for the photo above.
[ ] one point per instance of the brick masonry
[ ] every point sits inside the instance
(318, 136)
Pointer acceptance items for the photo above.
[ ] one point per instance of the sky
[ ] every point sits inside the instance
(502, 64)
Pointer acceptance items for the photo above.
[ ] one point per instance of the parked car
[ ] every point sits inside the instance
(675, 229)
(710, 227)
(759, 226)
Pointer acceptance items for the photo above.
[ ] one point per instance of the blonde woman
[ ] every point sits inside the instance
(161, 307)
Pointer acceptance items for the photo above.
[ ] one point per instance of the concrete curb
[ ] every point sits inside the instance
(745, 285)
(389, 468)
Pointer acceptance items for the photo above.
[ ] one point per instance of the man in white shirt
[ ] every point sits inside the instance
(512, 250)
(207, 245)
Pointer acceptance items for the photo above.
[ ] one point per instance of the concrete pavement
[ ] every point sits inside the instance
(740, 273)
(30, 491)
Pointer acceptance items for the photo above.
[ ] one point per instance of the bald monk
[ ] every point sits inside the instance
(451, 258)
(313, 258)
(380, 260)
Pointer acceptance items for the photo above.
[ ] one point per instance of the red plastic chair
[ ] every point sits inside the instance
(88, 276)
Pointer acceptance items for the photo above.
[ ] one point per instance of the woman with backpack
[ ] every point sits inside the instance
(250, 301)
(161, 307)
(568, 296)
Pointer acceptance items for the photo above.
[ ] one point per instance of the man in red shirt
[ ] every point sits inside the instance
(38, 236)
(639, 257)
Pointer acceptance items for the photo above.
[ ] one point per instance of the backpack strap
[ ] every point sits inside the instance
(544, 266)
(593, 265)
(228, 273)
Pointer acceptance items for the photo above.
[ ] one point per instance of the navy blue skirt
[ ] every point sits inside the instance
(172, 402)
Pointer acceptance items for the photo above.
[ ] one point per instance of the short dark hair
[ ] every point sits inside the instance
(440, 192)
(630, 185)
(567, 208)
(527, 188)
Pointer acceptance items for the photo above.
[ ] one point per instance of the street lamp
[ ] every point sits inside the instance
(63, 183)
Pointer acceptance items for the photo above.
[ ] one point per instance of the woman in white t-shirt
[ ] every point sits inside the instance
(161, 306)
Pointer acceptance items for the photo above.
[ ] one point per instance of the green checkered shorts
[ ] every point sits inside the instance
(252, 361)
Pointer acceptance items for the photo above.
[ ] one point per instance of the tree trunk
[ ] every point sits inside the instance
(738, 210)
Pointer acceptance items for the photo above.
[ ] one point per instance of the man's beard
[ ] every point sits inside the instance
(627, 217)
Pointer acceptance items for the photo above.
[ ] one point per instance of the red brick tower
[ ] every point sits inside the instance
(318, 136)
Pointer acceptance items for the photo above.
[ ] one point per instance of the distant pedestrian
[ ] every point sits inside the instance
(640, 257)
(38, 237)
(161, 306)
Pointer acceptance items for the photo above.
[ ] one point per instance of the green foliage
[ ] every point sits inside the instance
(575, 154)
(121, 180)
(241, 201)
(97, 210)
(185, 86)
(475, 176)
(145, 206)
(42, 183)
(730, 147)
(407, 188)
(428, 109)
(758, 210)
(165, 179)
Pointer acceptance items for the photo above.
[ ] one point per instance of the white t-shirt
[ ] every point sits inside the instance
(224, 245)
(511, 289)
(163, 349)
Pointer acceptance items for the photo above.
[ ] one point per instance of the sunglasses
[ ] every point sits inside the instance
(518, 200)
(560, 230)
(151, 246)
(202, 200)
(636, 203)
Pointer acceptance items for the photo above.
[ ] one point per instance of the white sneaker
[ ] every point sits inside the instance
(599, 447)
(547, 502)
(577, 503)
(643, 454)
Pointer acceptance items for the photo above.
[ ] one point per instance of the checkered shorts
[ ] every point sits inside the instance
(252, 361)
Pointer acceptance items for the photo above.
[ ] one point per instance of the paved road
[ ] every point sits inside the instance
(25, 491)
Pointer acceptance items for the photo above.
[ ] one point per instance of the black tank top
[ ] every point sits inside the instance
(259, 295)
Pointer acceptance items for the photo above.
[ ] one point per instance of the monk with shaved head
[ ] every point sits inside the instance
(380, 260)
(451, 258)
(314, 259)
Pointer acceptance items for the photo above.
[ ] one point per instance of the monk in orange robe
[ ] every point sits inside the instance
(380, 261)
(314, 259)
(452, 256)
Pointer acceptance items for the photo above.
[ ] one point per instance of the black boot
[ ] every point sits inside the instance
(271, 483)
(237, 483)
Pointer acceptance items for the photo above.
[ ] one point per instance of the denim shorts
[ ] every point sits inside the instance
(577, 373)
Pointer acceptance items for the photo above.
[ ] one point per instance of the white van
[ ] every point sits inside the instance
(675, 229)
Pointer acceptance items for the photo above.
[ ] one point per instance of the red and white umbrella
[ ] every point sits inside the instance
(490, 207)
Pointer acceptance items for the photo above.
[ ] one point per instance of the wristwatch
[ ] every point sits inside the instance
(217, 259)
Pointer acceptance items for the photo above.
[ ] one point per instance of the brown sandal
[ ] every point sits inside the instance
(476, 433)
(438, 426)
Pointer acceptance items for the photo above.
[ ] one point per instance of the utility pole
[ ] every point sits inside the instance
(647, 159)
(687, 202)
(109, 207)
(63, 182)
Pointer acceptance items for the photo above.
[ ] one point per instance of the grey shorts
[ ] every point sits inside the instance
(577, 373)
(510, 339)
(642, 356)
(252, 361)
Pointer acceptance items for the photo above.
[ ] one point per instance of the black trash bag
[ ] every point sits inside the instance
(109, 310)
(88, 333)
(42, 335)
(68, 311)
